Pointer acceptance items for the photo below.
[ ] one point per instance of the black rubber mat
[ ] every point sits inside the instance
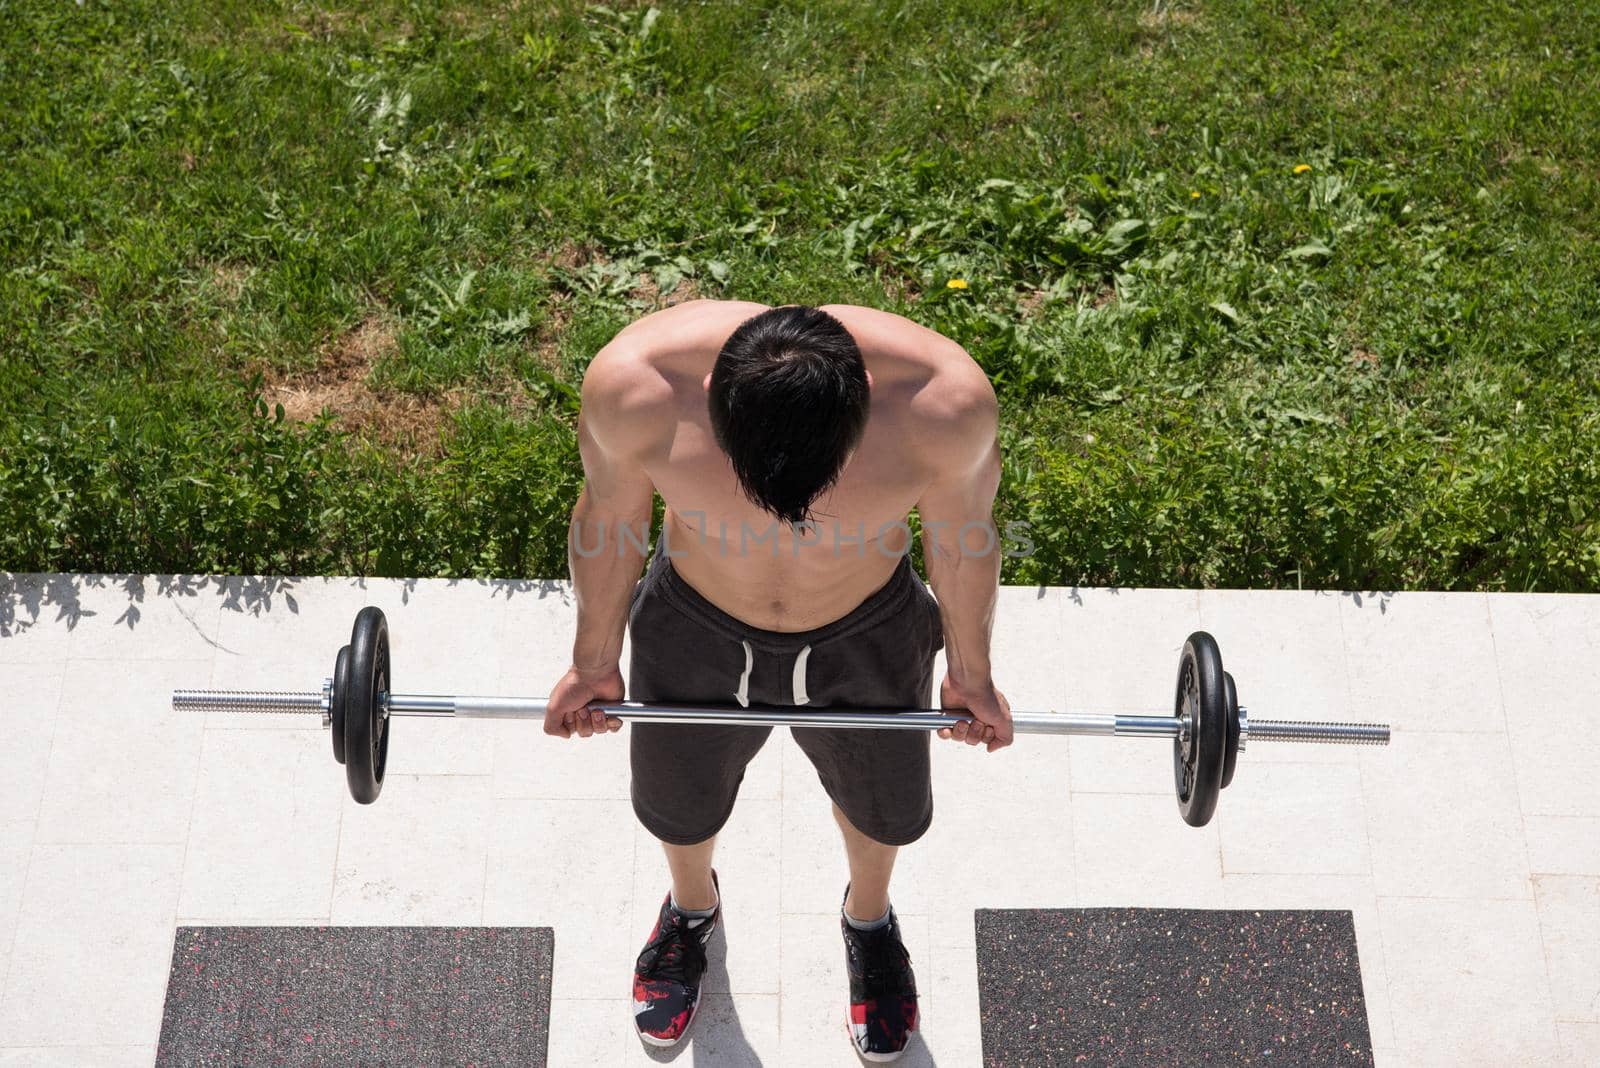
(358, 995)
(1170, 987)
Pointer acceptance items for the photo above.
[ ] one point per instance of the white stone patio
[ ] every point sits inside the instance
(1468, 851)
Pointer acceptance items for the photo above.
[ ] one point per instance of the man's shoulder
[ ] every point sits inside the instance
(955, 414)
(624, 375)
(952, 414)
(875, 328)
(692, 324)
(922, 376)
(628, 404)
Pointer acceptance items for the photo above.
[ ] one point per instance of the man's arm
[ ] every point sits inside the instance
(954, 421)
(959, 544)
(958, 421)
(625, 405)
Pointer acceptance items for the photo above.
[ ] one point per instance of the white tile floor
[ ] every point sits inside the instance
(1468, 852)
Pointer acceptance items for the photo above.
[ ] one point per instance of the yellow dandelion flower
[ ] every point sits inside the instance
(1194, 194)
(1302, 168)
(956, 283)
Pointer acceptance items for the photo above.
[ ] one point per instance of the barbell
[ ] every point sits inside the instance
(1208, 727)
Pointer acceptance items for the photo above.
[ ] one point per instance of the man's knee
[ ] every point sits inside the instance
(891, 830)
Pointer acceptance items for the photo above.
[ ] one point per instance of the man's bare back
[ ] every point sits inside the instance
(929, 442)
(757, 569)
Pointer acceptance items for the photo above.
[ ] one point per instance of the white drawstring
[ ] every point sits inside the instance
(742, 694)
(797, 683)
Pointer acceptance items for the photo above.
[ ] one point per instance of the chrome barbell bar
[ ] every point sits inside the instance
(1080, 723)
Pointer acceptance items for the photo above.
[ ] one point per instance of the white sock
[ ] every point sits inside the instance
(869, 925)
(695, 916)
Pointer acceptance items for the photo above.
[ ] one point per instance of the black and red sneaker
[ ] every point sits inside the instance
(666, 978)
(883, 990)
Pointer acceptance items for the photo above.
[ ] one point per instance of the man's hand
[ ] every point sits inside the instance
(989, 708)
(567, 712)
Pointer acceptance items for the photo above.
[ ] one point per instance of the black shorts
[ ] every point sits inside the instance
(686, 650)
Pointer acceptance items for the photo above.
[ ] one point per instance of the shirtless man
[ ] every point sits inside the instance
(788, 444)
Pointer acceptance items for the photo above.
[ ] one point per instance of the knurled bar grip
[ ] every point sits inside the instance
(261, 701)
(270, 702)
(1273, 730)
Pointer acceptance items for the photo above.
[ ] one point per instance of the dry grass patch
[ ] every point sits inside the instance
(574, 254)
(1161, 16)
(229, 280)
(339, 383)
(545, 343)
(648, 293)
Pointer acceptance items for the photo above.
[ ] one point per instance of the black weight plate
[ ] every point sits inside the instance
(1230, 712)
(341, 679)
(366, 732)
(1197, 763)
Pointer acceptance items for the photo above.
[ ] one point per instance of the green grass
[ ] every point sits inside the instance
(1382, 372)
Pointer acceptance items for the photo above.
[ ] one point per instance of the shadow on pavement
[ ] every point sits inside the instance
(39, 600)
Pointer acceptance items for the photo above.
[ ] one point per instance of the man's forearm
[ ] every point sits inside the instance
(605, 554)
(966, 580)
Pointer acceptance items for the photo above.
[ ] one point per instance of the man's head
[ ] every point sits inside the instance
(788, 400)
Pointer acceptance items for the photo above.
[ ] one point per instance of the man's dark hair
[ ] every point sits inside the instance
(788, 404)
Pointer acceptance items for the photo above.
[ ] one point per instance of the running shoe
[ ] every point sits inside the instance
(666, 978)
(883, 990)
